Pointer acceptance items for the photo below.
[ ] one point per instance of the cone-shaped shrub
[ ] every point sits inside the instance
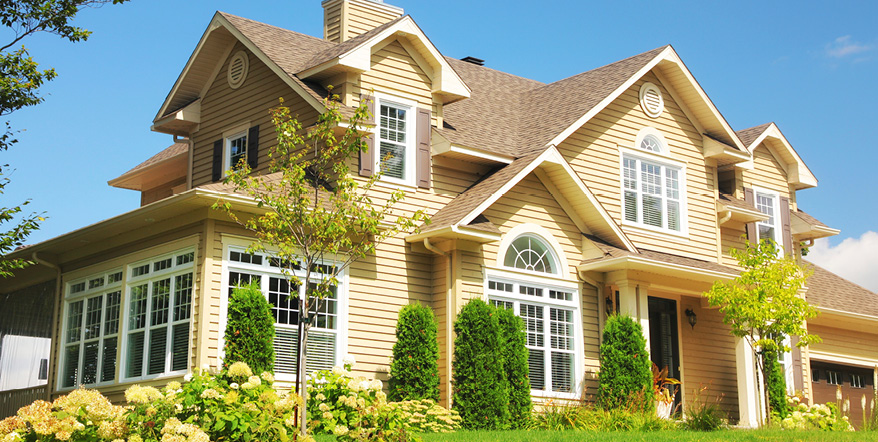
(250, 329)
(515, 365)
(479, 379)
(777, 384)
(414, 372)
(625, 379)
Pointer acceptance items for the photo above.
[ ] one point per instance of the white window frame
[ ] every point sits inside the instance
(84, 296)
(656, 159)
(228, 137)
(265, 271)
(778, 227)
(411, 108)
(149, 279)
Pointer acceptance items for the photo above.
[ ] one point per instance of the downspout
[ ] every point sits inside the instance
(191, 155)
(57, 302)
(449, 295)
(726, 217)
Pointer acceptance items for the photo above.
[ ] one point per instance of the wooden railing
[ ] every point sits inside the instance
(12, 400)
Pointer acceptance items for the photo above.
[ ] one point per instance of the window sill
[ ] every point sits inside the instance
(543, 395)
(655, 232)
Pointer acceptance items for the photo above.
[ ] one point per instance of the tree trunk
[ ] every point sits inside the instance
(301, 368)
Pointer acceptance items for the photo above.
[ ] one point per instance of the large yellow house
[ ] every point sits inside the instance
(619, 189)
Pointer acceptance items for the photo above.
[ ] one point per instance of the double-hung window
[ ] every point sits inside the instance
(396, 156)
(91, 330)
(236, 150)
(271, 276)
(159, 308)
(549, 309)
(652, 193)
(768, 203)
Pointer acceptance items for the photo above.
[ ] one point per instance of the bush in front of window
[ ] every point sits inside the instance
(777, 385)
(414, 372)
(625, 379)
(515, 364)
(481, 392)
(250, 329)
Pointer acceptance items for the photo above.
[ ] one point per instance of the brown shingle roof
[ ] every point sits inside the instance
(748, 136)
(808, 219)
(826, 289)
(461, 206)
(166, 154)
(271, 178)
(611, 251)
(729, 200)
(338, 49)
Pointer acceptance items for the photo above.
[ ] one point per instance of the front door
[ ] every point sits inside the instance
(664, 348)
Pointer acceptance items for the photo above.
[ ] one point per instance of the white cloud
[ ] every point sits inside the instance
(855, 259)
(843, 46)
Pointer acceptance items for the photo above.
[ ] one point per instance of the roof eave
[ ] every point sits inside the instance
(633, 262)
(456, 232)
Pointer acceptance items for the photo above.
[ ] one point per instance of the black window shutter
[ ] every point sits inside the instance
(370, 106)
(367, 157)
(253, 147)
(785, 222)
(217, 160)
(750, 198)
(424, 131)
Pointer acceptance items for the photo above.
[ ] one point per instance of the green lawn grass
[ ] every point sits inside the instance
(634, 436)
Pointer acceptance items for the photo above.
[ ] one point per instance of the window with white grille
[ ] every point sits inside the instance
(323, 336)
(91, 330)
(652, 193)
(158, 316)
(236, 150)
(768, 202)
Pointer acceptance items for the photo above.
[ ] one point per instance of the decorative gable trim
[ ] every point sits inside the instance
(446, 82)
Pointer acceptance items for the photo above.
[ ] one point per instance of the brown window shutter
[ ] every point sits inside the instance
(367, 157)
(217, 160)
(370, 106)
(785, 222)
(253, 147)
(424, 160)
(750, 198)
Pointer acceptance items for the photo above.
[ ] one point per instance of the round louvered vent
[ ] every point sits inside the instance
(651, 100)
(238, 68)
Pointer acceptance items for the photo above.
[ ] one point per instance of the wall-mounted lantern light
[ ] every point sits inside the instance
(693, 319)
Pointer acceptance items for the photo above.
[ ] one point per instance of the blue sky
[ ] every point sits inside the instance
(808, 66)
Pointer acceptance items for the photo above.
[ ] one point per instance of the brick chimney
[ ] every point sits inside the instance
(346, 19)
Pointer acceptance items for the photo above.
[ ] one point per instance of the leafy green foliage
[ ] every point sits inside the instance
(764, 303)
(776, 383)
(426, 416)
(414, 372)
(561, 416)
(824, 417)
(250, 329)
(314, 212)
(704, 414)
(481, 392)
(625, 378)
(20, 82)
(515, 365)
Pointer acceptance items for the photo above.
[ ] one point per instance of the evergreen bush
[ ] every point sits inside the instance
(481, 394)
(625, 379)
(250, 329)
(515, 365)
(777, 385)
(414, 372)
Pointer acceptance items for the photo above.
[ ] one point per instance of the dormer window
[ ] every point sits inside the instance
(395, 153)
(236, 150)
(768, 203)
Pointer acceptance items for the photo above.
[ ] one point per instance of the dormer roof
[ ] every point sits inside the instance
(798, 173)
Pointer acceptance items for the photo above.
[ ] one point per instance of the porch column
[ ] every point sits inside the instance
(748, 398)
(634, 302)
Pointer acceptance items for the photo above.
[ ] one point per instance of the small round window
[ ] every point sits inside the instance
(651, 100)
(530, 253)
(651, 143)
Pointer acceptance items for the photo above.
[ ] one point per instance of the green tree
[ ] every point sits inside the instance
(625, 379)
(481, 393)
(20, 82)
(515, 356)
(414, 372)
(313, 213)
(249, 330)
(777, 384)
(765, 302)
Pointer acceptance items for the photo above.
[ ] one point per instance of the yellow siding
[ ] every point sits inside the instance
(767, 172)
(844, 343)
(332, 22)
(362, 18)
(733, 236)
(395, 72)
(223, 109)
(708, 358)
(593, 152)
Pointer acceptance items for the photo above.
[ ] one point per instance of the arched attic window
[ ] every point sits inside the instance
(529, 252)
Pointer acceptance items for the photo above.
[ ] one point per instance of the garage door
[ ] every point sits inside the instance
(855, 382)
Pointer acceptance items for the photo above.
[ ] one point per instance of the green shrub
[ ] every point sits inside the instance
(414, 372)
(515, 366)
(702, 415)
(250, 329)
(776, 383)
(825, 417)
(426, 416)
(481, 394)
(574, 416)
(625, 379)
